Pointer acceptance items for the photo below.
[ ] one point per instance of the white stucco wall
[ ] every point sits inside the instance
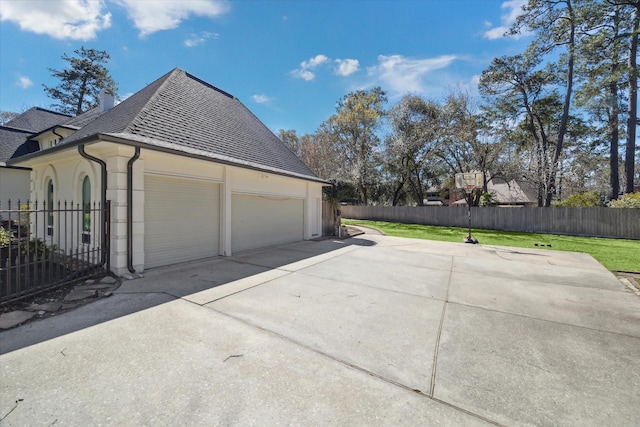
(67, 173)
(14, 186)
(68, 169)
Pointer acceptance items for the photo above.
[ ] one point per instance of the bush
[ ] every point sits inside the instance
(37, 249)
(5, 237)
(487, 199)
(629, 200)
(590, 199)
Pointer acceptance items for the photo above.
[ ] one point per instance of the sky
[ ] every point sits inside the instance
(288, 61)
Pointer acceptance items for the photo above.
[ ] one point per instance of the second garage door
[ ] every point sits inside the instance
(181, 220)
(260, 221)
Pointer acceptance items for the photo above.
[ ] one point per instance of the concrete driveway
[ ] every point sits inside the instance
(371, 330)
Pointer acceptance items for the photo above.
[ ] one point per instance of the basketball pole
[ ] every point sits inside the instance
(469, 212)
(469, 193)
(468, 182)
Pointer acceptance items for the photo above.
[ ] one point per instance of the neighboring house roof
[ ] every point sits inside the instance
(512, 192)
(182, 113)
(37, 119)
(13, 143)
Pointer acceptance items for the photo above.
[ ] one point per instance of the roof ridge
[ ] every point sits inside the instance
(53, 111)
(209, 85)
(152, 98)
(12, 128)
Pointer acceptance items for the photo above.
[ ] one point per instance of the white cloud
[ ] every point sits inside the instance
(61, 19)
(314, 62)
(305, 66)
(402, 75)
(513, 10)
(303, 74)
(346, 67)
(24, 82)
(152, 16)
(496, 33)
(261, 99)
(200, 38)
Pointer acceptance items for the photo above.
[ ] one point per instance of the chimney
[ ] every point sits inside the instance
(107, 100)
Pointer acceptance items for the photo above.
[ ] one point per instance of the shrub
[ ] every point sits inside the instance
(487, 199)
(629, 200)
(590, 199)
(5, 237)
(37, 249)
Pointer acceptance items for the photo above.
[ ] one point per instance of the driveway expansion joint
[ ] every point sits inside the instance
(354, 366)
(524, 316)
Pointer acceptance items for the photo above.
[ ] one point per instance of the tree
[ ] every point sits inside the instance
(516, 92)
(464, 145)
(410, 145)
(632, 114)
(81, 83)
(315, 150)
(352, 131)
(555, 24)
(6, 116)
(601, 72)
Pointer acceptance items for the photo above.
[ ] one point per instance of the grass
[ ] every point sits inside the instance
(614, 254)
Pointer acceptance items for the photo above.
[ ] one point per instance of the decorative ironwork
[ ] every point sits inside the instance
(48, 245)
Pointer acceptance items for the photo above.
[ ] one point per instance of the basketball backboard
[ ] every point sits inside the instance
(469, 181)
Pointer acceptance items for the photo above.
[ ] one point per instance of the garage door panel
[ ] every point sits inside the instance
(260, 221)
(182, 220)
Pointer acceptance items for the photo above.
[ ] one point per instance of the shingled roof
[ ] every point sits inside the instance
(182, 113)
(13, 143)
(37, 119)
(83, 119)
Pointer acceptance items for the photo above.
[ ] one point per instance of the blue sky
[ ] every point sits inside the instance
(288, 61)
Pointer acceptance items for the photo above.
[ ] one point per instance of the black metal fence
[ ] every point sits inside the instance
(45, 246)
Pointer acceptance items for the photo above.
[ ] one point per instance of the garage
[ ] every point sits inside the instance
(262, 221)
(182, 220)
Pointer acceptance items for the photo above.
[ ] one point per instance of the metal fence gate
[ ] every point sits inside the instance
(45, 246)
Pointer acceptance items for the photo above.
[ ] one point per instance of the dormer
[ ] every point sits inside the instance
(51, 137)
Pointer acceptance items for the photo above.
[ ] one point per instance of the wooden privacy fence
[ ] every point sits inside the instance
(596, 222)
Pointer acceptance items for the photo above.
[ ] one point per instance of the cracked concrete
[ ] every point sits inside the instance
(81, 294)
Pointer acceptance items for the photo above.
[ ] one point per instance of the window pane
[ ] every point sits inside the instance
(50, 203)
(86, 204)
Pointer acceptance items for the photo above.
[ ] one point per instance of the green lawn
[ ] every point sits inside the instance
(614, 254)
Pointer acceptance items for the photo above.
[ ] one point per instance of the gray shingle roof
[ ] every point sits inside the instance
(37, 119)
(512, 192)
(184, 113)
(83, 119)
(13, 143)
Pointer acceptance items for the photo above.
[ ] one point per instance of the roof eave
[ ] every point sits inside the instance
(37, 134)
(118, 139)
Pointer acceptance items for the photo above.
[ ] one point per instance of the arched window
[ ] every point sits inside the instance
(86, 210)
(50, 208)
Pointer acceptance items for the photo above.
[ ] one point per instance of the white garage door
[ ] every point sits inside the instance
(258, 222)
(181, 220)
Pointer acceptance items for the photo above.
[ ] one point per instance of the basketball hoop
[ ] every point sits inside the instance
(469, 182)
